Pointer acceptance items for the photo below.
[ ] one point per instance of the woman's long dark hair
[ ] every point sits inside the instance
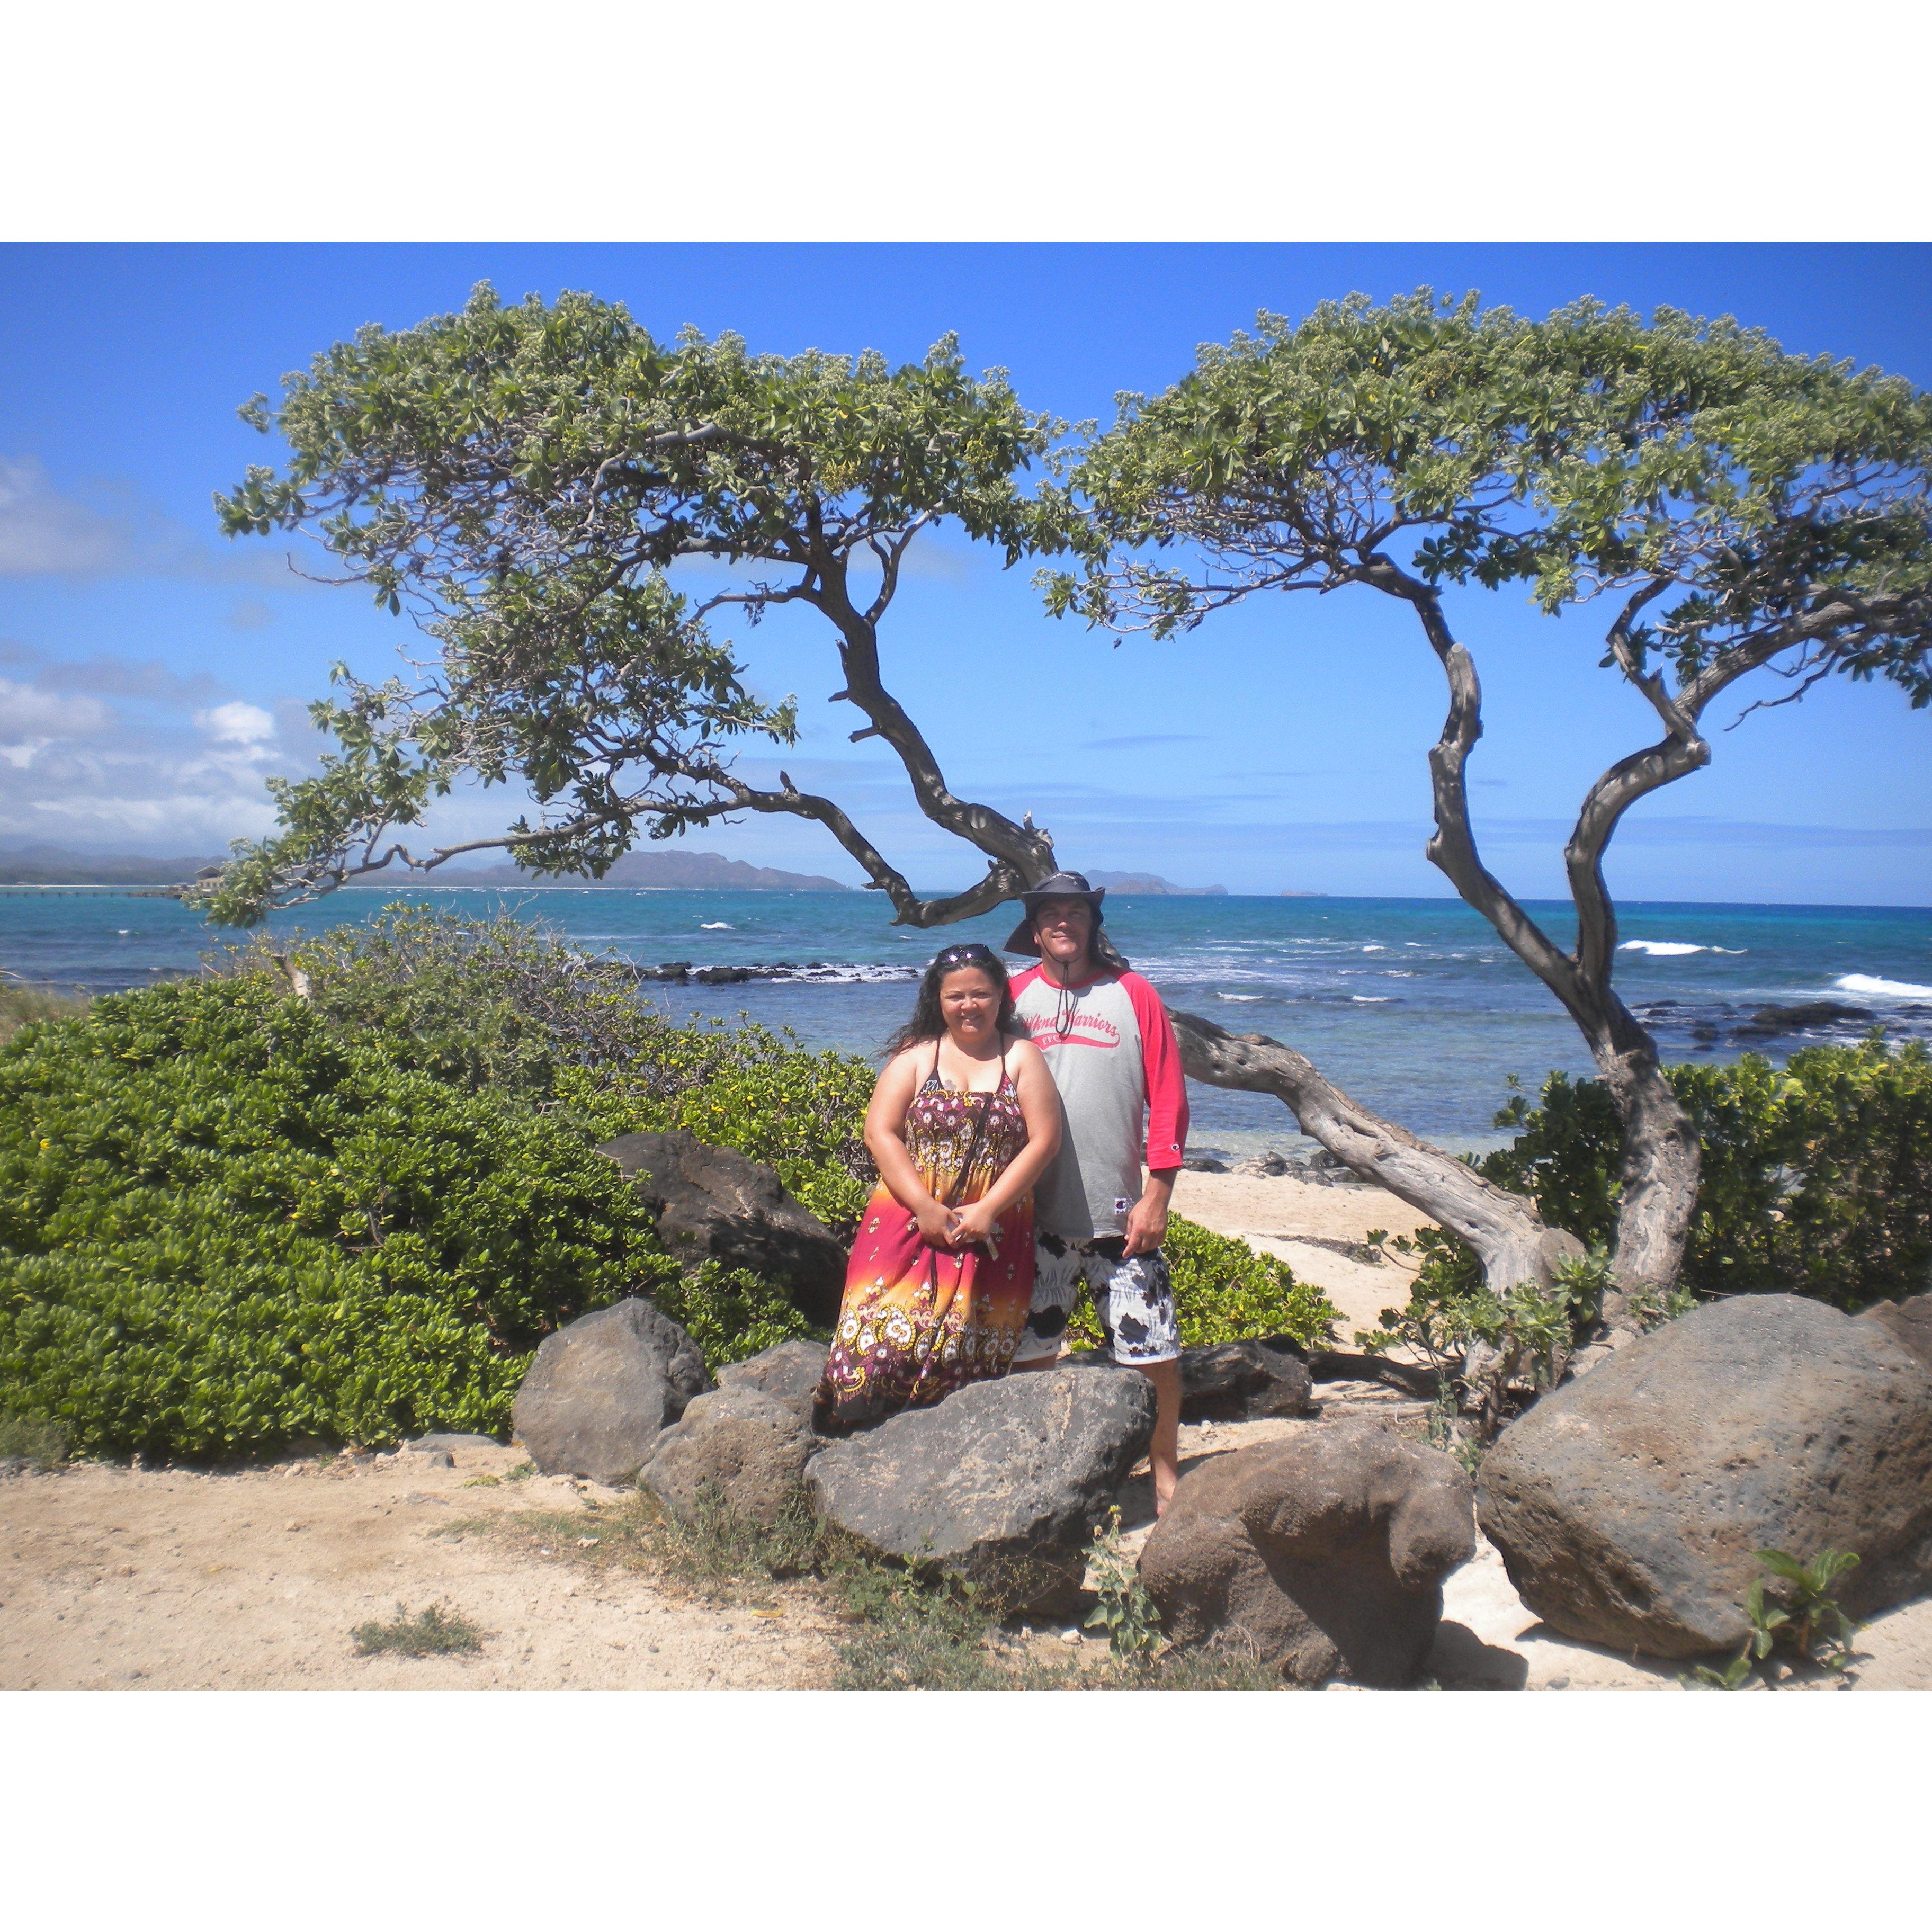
(927, 1022)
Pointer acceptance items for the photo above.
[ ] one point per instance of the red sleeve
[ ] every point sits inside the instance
(1166, 1084)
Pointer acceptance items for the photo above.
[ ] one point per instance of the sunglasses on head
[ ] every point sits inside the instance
(974, 954)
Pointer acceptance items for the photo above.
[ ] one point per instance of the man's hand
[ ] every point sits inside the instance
(1147, 1220)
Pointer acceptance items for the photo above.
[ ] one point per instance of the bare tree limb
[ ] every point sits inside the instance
(1504, 1230)
(1453, 850)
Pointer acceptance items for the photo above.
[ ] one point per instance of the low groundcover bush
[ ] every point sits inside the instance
(222, 1226)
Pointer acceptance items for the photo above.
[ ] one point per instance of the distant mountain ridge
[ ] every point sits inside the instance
(672, 871)
(1153, 885)
(62, 865)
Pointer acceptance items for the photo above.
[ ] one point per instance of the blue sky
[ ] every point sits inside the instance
(152, 673)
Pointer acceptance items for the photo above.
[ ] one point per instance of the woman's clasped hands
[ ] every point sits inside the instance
(956, 1228)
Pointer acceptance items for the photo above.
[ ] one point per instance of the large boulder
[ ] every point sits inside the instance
(602, 1390)
(747, 1443)
(713, 1203)
(791, 1373)
(1003, 1483)
(1628, 1506)
(1241, 1380)
(1326, 1549)
(1908, 1322)
(1229, 1381)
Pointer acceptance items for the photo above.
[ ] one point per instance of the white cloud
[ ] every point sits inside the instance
(142, 772)
(29, 711)
(236, 724)
(44, 533)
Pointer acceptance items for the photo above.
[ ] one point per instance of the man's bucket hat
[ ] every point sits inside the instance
(1056, 886)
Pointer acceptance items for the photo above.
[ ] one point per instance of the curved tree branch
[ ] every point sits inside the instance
(1453, 849)
(1025, 852)
(1504, 1230)
(1001, 882)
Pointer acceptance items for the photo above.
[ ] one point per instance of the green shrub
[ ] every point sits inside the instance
(496, 1004)
(731, 1313)
(1225, 1291)
(1532, 1328)
(516, 1010)
(222, 1226)
(1817, 1179)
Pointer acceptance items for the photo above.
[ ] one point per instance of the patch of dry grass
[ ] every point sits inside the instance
(22, 1004)
(911, 1628)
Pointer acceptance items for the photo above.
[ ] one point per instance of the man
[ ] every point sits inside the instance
(1111, 1048)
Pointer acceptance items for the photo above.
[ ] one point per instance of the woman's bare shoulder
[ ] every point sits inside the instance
(908, 1059)
(1022, 1054)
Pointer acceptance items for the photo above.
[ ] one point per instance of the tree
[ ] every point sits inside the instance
(521, 480)
(1734, 509)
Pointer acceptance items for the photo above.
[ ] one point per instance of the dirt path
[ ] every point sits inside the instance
(112, 1578)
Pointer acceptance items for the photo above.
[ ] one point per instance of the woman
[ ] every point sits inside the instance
(963, 1121)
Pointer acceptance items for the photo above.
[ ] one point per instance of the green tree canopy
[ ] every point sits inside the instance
(1731, 508)
(520, 480)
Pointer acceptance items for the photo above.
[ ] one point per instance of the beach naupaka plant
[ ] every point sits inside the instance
(538, 486)
(1723, 507)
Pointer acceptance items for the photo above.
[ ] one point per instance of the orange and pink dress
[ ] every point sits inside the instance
(915, 1321)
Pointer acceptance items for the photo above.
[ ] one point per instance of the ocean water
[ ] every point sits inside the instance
(1413, 1005)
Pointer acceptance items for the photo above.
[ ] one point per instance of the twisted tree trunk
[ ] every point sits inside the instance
(1661, 1157)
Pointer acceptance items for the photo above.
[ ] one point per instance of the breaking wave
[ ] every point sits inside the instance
(1660, 949)
(1877, 988)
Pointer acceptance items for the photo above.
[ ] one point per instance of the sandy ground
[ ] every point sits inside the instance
(112, 1578)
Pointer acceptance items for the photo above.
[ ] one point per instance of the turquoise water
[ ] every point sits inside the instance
(1412, 1005)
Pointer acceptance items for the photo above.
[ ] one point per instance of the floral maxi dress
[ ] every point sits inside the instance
(916, 1321)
